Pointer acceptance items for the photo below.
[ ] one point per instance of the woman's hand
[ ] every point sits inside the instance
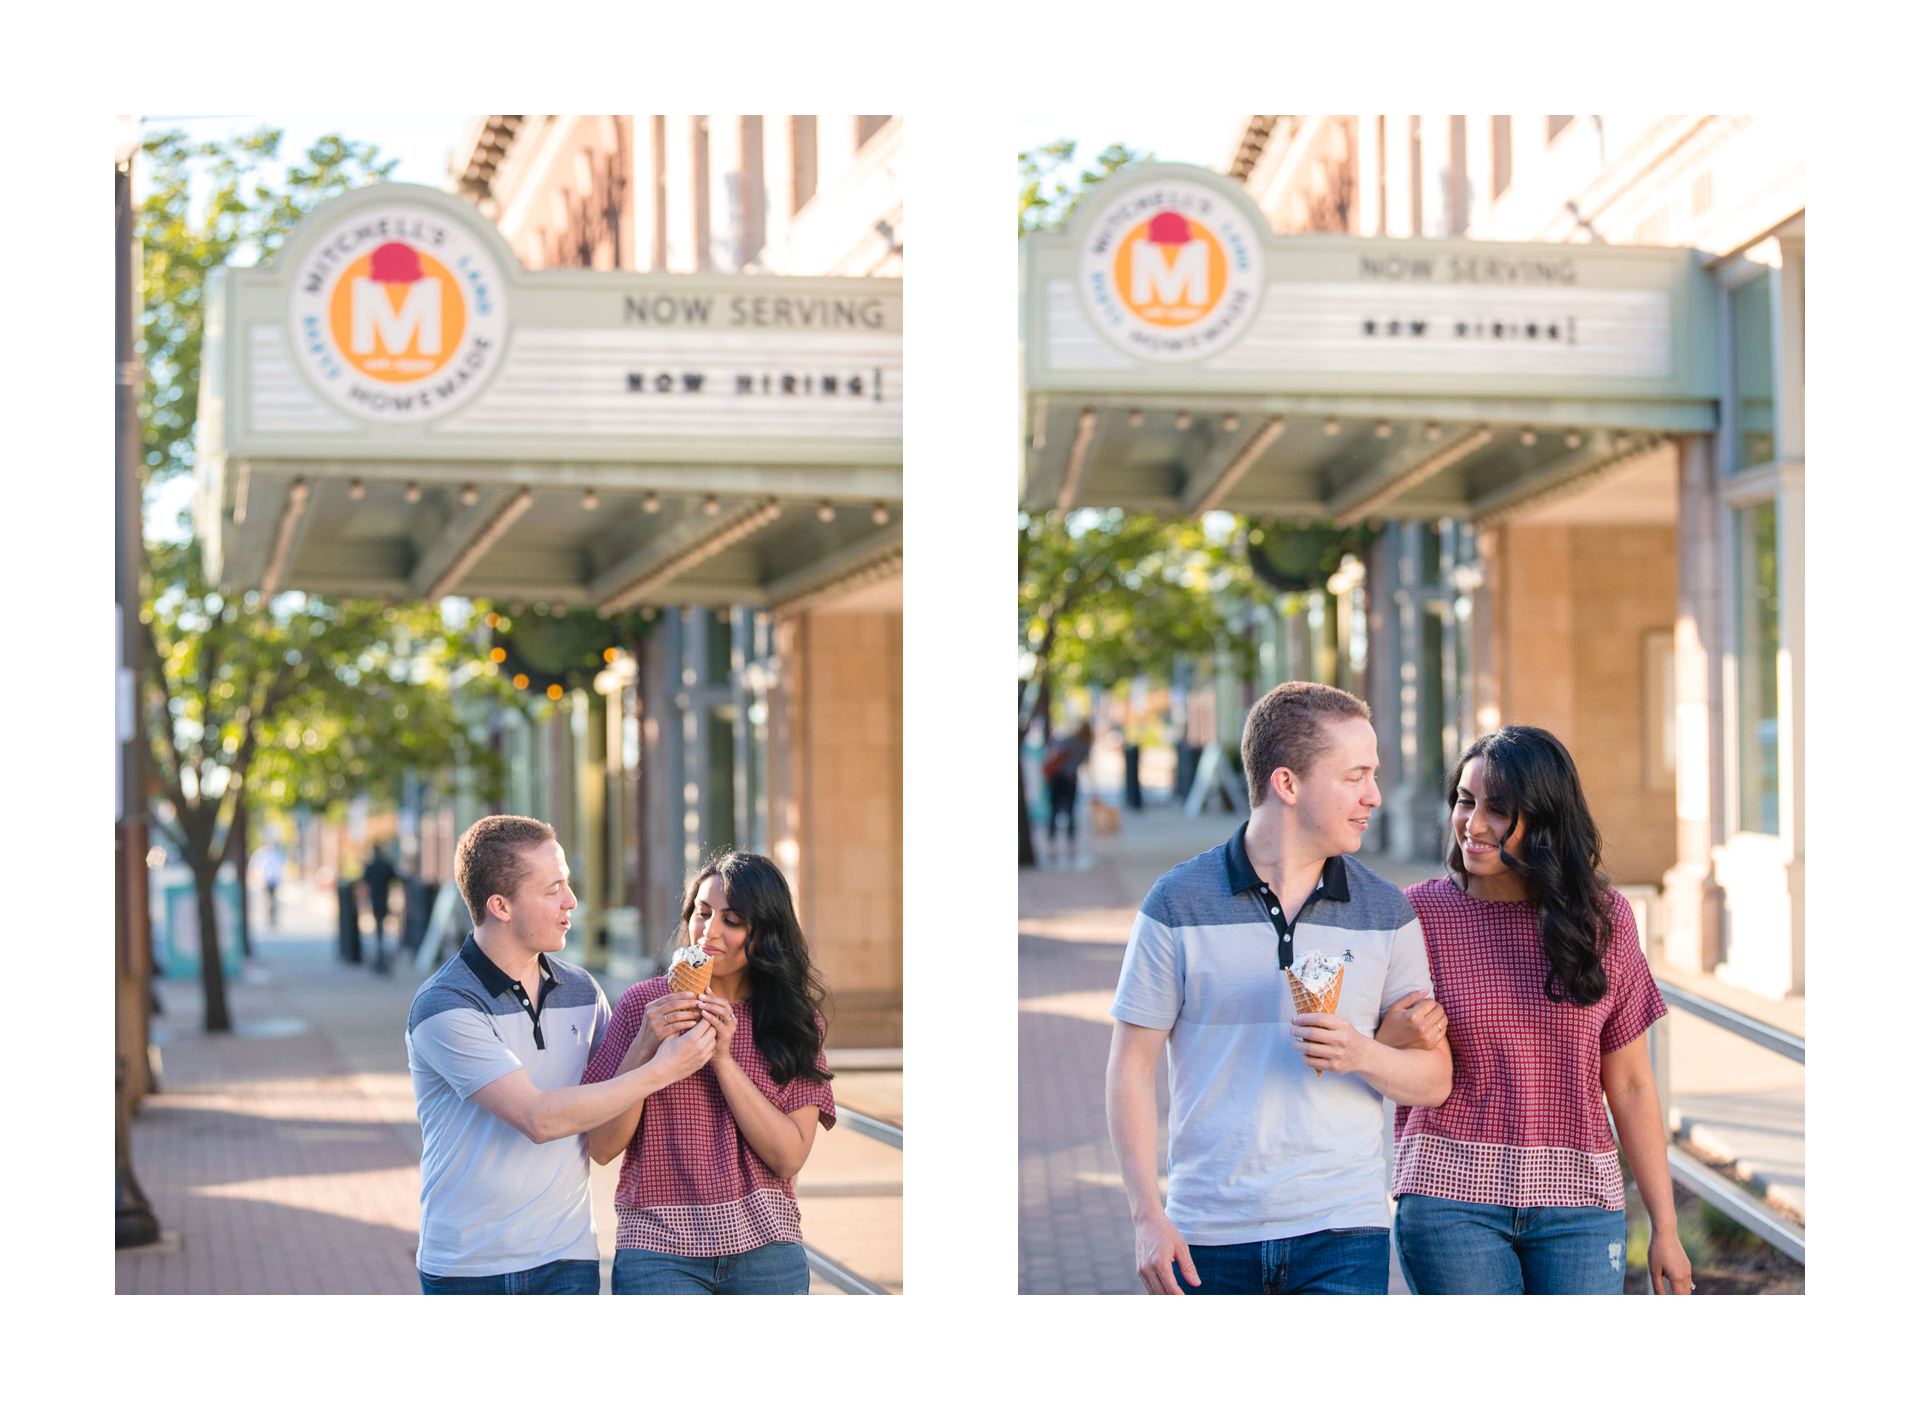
(1415, 1021)
(719, 1013)
(666, 1017)
(1666, 1259)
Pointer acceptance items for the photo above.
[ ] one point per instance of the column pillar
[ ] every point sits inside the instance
(724, 195)
(1693, 898)
(1367, 167)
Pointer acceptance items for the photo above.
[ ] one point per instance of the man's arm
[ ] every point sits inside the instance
(1133, 1123)
(567, 1111)
(1410, 1077)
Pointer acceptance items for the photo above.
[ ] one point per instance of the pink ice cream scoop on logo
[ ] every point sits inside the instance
(1169, 228)
(396, 263)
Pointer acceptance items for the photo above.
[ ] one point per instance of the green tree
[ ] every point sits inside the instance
(1107, 596)
(307, 696)
(1049, 195)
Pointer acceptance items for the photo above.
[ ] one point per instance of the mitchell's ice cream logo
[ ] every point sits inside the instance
(1171, 271)
(398, 314)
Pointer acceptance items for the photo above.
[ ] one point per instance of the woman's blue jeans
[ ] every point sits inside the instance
(563, 1275)
(771, 1268)
(1452, 1246)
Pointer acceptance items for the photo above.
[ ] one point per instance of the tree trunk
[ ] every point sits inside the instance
(1026, 821)
(239, 848)
(213, 980)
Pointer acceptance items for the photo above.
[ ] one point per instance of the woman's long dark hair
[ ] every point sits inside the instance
(788, 995)
(1529, 776)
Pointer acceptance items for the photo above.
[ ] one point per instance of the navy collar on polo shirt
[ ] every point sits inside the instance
(498, 982)
(1241, 877)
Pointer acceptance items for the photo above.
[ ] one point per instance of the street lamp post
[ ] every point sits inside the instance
(134, 1224)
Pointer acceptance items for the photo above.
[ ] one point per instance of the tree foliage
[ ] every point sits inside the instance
(208, 204)
(1050, 190)
(255, 703)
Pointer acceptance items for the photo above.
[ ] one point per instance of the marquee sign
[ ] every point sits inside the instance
(1169, 278)
(396, 324)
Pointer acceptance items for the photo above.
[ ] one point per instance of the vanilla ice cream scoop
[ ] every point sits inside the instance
(691, 956)
(1316, 972)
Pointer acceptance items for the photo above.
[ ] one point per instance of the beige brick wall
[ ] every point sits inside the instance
(840, 801)
(1577, 604)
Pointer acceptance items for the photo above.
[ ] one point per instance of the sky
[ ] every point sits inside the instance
(1202, 139)
(421, 141)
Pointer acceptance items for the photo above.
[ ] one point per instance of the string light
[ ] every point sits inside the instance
(356, 489)
(469, 495)
(411, 494)
(590, 500)
(651, 504)
(826, 512)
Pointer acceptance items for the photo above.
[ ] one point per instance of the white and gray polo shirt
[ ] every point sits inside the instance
(1259, 1146)
(492, 1201)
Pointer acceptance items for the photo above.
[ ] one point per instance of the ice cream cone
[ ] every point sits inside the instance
(684, 978)
(1306, 1001)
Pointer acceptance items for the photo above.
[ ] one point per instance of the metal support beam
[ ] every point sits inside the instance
(1077, 460)
(283, 537)
(695, 541)
(1212, 482)
(1374, 491)
(868, 561)
(465, 541)
(1563, 477)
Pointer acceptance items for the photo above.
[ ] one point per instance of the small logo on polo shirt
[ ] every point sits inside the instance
(1346, 957)
(574, 1028)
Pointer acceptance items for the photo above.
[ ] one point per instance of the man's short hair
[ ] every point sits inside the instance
(1284, 730)
(491, 859)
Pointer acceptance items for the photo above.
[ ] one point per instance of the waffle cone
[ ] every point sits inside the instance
(684, 978)
(1305, 1001)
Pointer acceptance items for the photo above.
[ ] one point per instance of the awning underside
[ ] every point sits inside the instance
(295, 526)
(1329, 460)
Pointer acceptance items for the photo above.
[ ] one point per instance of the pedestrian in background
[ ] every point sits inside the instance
(1512, 1185)
(705, 1198)
(1060, 767)
(378, 878)
(273, 867)
(497, 1042)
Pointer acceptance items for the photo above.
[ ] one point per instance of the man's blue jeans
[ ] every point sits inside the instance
(1352, 1261)
(580, 1276)
(1452, 1246)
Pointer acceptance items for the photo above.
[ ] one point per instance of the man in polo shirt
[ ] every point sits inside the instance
(1276, 1167)
(497, 1041)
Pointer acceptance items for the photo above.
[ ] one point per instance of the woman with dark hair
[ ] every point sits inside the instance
(705, 1199)
(1513, 1183)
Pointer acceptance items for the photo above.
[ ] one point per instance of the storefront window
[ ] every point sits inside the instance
(1753, 370)
(1757, 632)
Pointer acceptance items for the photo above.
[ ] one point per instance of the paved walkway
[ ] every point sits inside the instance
(1075, 914)
(285, 1157)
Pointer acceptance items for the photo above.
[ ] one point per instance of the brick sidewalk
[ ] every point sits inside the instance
(271, 1165)
(285, 1157)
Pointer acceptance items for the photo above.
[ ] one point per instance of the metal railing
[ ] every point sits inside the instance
(1729, 1197)
(833, 1271)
